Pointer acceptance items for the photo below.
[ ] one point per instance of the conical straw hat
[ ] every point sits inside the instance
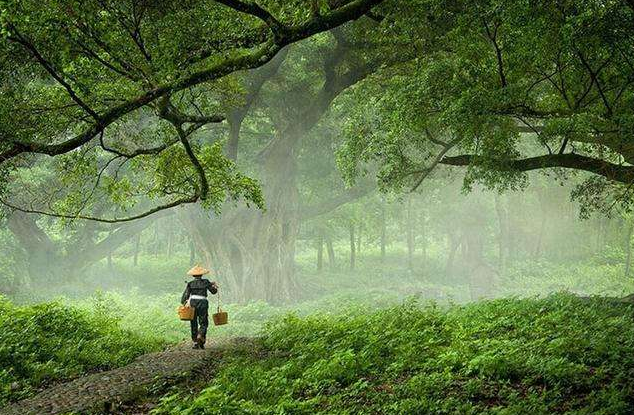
(198, 270)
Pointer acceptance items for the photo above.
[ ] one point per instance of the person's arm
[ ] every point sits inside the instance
(185, 295)
(212, 287)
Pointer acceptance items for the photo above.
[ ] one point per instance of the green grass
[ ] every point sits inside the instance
(560, 354)
(47, 342)
(155, 316)
(333, 340)
(162, 277)
(539, 277)
(599, 275)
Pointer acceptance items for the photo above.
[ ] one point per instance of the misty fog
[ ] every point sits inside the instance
(316, 207)
(441, 243)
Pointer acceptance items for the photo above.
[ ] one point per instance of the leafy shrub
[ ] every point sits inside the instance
(50, 341)
(560, 354)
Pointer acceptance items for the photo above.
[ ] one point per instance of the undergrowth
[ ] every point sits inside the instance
(48, 342)
(560, 354)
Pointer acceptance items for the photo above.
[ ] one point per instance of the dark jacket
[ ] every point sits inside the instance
(198, 286)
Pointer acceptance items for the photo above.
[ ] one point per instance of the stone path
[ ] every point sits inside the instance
(104, 391)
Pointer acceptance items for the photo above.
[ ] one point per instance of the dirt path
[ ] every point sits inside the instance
(105, 391)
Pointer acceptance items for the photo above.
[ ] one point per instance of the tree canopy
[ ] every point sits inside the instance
(503, 87)
(131, 80)
(114, 111)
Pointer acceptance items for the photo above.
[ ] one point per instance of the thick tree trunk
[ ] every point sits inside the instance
(251, 251)
(332, 261)
(237, 115)
(48, 264)
(43, 258)
(254, 251)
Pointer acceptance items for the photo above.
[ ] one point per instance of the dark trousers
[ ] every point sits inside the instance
(201, 318)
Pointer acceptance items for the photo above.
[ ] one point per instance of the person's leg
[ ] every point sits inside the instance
(204, 322)
(194, 327)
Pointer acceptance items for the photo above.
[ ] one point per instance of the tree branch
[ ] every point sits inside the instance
(174, 115)
(237, 115)
(178, 202)
(204, 184)
(255, 10)
(378, 18)
(49, 68)
(139, 151)
(88, 253)
(498, 51)
(169, 113)
(439, 157)
(594, 76)
(256, 58)
(348, 12)
(357, 192)
(611, 171)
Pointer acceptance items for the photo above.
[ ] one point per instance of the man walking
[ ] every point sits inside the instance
(196, 294)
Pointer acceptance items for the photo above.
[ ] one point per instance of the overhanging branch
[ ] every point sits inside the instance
(19, 38)
(255, 10)
(439, 157)
(256, 58)
(177, 202)
(611, 171)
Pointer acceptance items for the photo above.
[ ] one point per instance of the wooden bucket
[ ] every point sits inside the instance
(186, 312)
(220, 318)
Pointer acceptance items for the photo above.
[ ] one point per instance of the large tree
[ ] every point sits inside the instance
(506, 87)
(126, 96)
(77, 73)
(254, 250)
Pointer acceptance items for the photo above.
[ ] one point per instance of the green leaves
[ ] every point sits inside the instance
(49, 342)
(507, 79)
(502, 356)
(172, 173)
